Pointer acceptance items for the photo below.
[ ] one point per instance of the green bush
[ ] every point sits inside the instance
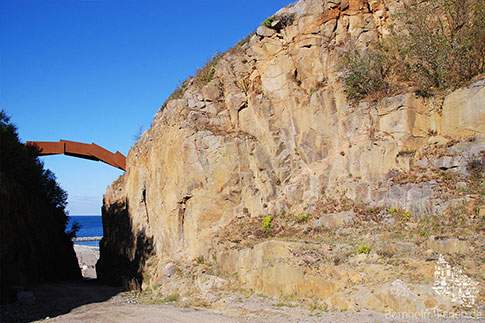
(434, 45)
(364, 73)
(363, 248)
(201, 78)
(267, 223)
(284, 21)
(402, 214)
(302, 218)
(393, 210)
(440, 43)
(206, 73)
(177, 94)
(268, 22)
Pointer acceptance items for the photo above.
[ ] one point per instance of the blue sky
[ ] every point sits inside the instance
(98, 70)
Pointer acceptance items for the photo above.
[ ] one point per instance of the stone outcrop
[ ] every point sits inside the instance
(272, 132)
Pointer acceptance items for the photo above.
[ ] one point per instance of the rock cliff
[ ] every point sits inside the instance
(267, 134)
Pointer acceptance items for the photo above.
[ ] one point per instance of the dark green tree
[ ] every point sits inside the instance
(34, 246)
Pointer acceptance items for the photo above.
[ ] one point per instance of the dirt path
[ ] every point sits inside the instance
(168, 313)
(141, 313)
(88, 301)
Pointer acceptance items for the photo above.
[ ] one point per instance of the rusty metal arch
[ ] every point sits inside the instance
(81, 150)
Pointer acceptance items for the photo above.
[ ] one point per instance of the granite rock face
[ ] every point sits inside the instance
(273, 131)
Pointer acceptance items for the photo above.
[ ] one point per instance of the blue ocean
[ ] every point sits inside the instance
(91, 226)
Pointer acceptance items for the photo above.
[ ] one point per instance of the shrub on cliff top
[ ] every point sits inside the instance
(206, 73)
(201, 78)
(268, 22)
(435, 44)
(283, 20)
(364, 73)
(441, 43)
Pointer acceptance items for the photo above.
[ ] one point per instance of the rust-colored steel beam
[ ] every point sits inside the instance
(47, 147)
(81, 150)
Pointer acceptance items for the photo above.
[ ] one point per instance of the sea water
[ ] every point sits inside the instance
(91, 226)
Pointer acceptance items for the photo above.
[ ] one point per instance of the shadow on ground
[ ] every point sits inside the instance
(55, 299)
(123, 253)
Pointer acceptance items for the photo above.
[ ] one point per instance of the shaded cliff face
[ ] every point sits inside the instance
(34, 246)
(272, 132)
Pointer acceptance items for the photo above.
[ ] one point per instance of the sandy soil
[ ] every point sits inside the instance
(88, 301)
(169, 313)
